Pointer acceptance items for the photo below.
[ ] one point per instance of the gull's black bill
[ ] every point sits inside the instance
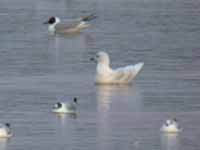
(46, 22)
(92, 59)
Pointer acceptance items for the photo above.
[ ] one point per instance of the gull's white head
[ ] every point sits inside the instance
(5, 130)
(168, 122)
(103, 58)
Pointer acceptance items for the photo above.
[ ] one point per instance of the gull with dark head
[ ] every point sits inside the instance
(5, 130)
(61, 107)
(171, 126)
(106, 75)
(56, 26)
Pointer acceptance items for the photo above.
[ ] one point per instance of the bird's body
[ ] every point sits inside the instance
(106, 75)
(70, 28)
(5, 131)
(56, 26)
(62, 107)
(170, 126)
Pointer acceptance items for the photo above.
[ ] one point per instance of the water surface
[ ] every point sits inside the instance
(37, 70)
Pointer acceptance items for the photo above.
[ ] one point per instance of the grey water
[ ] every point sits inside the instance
(38, 69)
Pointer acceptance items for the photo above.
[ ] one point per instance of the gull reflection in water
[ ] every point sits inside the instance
(65, 124)
(108, 94)
(110, 100)
(3, 143)
(104, 94)
(63, 117)
(170, 141)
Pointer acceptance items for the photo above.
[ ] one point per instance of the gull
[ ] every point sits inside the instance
(106, 75)
(171, 126)
(5, 130)
(61, 107)
(56, 26)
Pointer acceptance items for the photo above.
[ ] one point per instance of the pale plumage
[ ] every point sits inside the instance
(5, 130)
(56, 26)
(171, 126)
(62, 107)
(106, 75)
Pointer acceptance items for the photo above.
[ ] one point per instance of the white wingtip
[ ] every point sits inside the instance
(138, 66)
(83, 25)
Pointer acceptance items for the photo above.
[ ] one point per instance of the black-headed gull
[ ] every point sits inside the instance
(171, 126)
(5, 130)
(56, 26)
(61, 107)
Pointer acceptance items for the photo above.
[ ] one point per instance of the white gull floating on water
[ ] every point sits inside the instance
(106, 75)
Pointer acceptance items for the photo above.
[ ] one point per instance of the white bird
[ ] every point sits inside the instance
(5, 130)
(61, 107)
(55, 25)
(106, 75)
(170, 126)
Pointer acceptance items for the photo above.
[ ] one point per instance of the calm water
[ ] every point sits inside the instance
(37, 70)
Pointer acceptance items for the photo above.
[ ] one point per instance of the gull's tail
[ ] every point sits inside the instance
(138, 67)
(88, 18)
(130, 72)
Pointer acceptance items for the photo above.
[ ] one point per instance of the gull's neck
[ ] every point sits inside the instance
(52, 27)
(103, 68)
